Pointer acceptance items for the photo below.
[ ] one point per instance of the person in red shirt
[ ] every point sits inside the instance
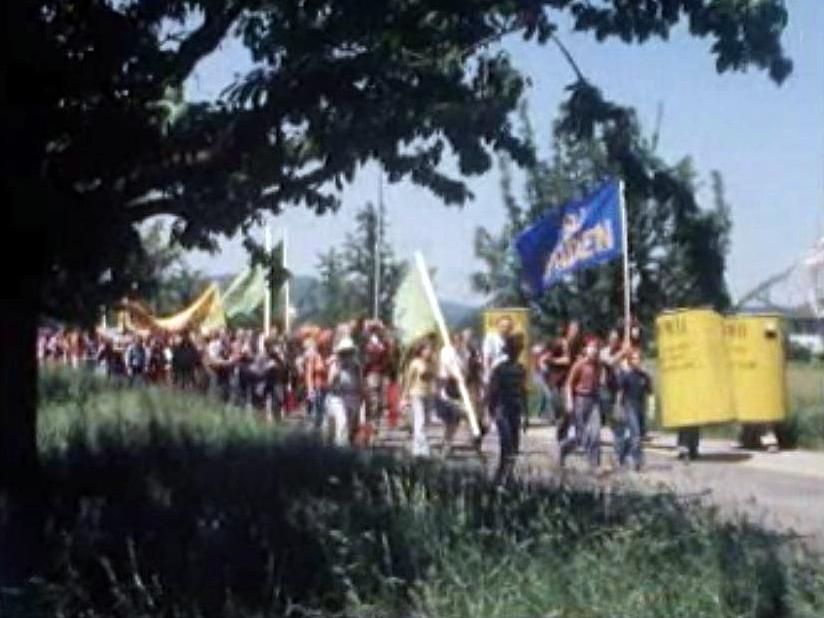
(375, 370)
(581, 392)
(316, 375)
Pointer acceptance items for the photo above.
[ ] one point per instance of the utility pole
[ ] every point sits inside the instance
(267, 294)
(377, 249)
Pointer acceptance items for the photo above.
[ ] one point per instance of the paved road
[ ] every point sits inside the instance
(784, 491)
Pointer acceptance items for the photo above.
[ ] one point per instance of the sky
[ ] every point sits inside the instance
(766, 140)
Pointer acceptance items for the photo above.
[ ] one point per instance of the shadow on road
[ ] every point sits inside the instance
(724, 457)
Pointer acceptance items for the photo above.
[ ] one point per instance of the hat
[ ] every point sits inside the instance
(345, 344)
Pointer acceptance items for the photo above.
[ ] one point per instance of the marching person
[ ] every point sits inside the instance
(559, 360)
(185, 361)
(634, 386)
(136, 360)
(315, 374)
(155, 367)
(345, 397)
(446, 398)
(109, 359)
(375, 368)
(636, 343)
(472, 364)
(244, 353)
(581, 392)
(508, 404)
(275, 373)
(219, 366)
(611, 357)
(416, 388)
(493, 346)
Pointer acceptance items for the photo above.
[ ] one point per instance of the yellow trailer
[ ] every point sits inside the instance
(693, 369)
(755, 349)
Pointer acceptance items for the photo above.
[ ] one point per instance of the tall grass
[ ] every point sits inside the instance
(83, 408)
(805, 424)
(161, 505)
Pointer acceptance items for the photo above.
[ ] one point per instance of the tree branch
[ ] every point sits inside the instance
(569, 58)
(202, 41)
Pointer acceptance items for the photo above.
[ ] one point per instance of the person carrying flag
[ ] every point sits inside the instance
(416, 389)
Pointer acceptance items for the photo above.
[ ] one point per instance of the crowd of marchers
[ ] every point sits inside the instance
(352, 381)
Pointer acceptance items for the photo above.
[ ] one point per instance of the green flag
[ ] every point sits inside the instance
(412, 315)
(245, 293)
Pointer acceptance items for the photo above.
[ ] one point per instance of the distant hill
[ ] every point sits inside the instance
(460, 315)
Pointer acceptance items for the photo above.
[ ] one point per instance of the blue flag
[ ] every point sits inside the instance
(578, 234)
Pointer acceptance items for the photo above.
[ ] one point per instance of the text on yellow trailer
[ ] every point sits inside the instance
(693, 369)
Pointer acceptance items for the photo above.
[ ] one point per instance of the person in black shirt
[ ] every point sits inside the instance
(634, 386)
(508, 403)
(185, 361)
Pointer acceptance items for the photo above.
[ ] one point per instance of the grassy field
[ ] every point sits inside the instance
(169, 505)
(805, 385)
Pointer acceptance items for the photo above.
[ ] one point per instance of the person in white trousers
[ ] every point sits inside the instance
(346, 393)
(417, 390)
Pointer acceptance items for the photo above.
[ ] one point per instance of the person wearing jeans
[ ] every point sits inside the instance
(582, 398)
(634, 386)
(315, 379)
(612, 356)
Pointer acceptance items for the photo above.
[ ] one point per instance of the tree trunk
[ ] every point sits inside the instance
(21, 512)
(18, 390)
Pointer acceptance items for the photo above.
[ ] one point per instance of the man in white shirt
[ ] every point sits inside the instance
(493, 346)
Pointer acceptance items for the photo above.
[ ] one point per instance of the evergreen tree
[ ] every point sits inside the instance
(334, 288)
(362, 249)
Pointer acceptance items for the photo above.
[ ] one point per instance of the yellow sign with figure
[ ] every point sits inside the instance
(520, 325)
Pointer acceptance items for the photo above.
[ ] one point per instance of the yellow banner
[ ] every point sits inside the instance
(206, 312)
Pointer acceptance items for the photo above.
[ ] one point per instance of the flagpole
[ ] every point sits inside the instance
(286, 316)
(267, 293)
(625, 249)
(436, 310)
(378, 225)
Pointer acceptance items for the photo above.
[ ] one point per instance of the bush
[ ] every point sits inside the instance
(161, 517)
(799, 353)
